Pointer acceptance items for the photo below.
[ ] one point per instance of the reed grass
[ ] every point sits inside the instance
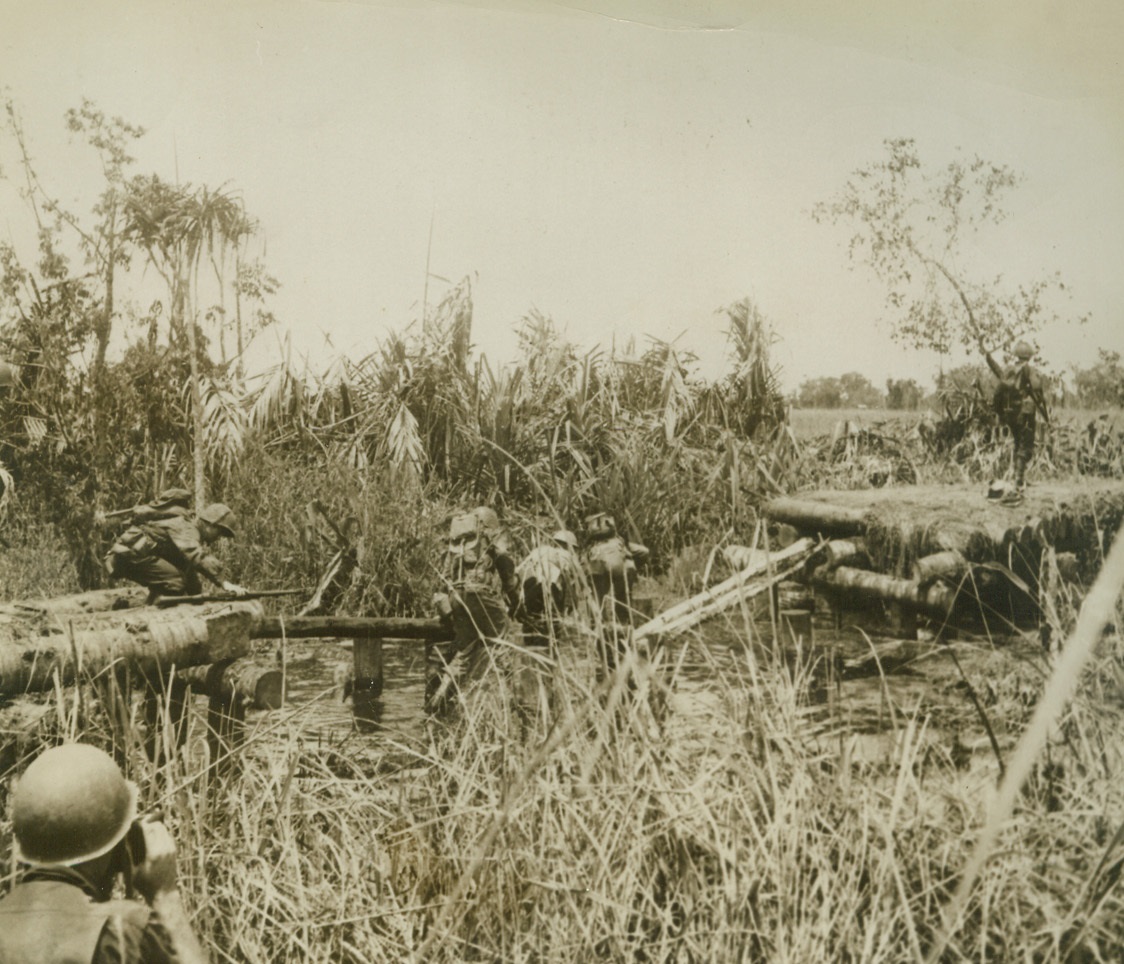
(570, 813)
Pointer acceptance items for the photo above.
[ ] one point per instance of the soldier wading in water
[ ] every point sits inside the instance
(481, 589)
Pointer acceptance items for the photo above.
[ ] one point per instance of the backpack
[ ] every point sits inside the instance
(1007, 399)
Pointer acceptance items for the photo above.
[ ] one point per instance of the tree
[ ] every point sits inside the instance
(177, 226)
(903, 394)
(858, 392)
(820, 393)
(1101, 385)
(912, 228)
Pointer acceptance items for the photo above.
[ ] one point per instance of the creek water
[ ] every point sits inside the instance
(867, 712)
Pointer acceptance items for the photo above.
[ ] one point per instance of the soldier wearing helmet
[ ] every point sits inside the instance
(1019, 397)
(611, 561)
(481, 588)
(550, 576)
(169, 555)
(76, 832)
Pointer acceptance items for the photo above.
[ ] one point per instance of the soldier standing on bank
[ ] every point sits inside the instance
(1019, 397)
(481, 588)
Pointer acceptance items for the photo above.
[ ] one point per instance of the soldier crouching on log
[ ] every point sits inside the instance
(481, 589)
(1019, 396)
(167, 555)
(76, 832)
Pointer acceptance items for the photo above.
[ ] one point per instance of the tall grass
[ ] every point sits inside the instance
(568, 813)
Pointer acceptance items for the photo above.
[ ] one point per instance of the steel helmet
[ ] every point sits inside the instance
(71, 805)
(219, 515)
(1024, 351)
(486, 518)
(564, 537)
(600, 525)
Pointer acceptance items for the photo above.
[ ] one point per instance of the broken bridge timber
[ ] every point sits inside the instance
(948, 553)
(764, 571)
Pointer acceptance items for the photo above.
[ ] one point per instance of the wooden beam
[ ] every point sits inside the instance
(746, 584)
(350, 627)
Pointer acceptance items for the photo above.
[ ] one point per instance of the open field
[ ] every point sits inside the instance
(809, 423)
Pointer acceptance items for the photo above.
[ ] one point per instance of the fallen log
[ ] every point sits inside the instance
(147, 639)
(95, 601)
(350, 627)
(257, 685)
(934, 600)
(736, 589)
(823, 518)
(947, 565)
(839, 552)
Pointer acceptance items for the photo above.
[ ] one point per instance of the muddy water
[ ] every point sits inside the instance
(864, 715)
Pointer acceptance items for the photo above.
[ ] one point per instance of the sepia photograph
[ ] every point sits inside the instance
(561, 480)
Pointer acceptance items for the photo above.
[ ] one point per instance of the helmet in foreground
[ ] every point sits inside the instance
(72, 804)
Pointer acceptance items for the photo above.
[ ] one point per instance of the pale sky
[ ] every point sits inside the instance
(626, 168)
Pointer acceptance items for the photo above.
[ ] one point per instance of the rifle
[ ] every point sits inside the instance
(164, 602)
(117, 514)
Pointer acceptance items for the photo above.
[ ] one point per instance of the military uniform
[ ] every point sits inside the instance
(53, 916)
(611, 562)
(550, 578)
(168, 555)
(481, 586)
(1024, 387)
(74, 823)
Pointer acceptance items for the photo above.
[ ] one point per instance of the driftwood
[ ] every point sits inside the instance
(762, 574)
(810, 516)
(33, 655)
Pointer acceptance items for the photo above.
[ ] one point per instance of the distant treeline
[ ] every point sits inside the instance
(1098, 386)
